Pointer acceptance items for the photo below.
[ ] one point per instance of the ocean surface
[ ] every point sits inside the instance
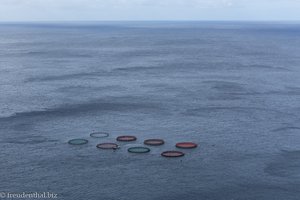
(231, 87)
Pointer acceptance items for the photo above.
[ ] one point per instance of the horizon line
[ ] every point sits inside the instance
(175, 20)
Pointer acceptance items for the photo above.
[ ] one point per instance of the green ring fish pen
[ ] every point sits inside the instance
(138, 150)
(99, 134)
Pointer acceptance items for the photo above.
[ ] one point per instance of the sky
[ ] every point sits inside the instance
(103, 10)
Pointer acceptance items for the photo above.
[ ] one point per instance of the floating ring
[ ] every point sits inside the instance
(138, 150)
(107, 146)
(126, 138)
(99, 134)
(154, 142)
(172, 154)
(186, 145)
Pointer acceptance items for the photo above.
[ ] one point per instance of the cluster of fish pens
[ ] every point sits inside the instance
(138, 149)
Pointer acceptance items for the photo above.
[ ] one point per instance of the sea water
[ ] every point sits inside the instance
(231, 87)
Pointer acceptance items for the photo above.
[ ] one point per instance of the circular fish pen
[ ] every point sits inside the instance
(99, 134)
(138, 150)
(186, 145)
(107, 146)
(154, 142)
(172, 154)
(126, 138)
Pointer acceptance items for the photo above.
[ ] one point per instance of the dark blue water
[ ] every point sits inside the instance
(233, 88)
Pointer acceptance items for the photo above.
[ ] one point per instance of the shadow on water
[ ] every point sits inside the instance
(213, 109)
(286, 164)
(286, 128)
(89, 107)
